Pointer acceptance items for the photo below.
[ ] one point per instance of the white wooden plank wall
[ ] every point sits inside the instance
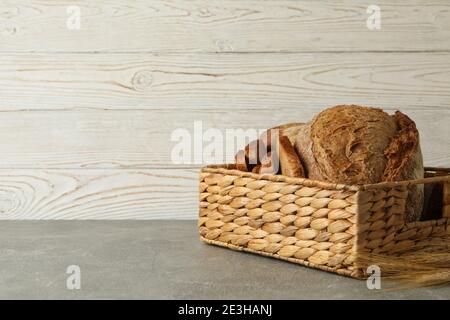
(86, 115)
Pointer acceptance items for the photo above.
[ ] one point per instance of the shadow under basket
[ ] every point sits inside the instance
(315, 223)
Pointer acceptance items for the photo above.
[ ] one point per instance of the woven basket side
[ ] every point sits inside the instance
(382, 229)
(313, 223)
(380, 216)
(446, 200)
(304, 224)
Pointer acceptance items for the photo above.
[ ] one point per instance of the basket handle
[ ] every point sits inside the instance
(445, 189)
(435, 169)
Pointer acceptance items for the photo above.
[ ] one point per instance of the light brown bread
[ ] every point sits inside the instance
(289, 161)
(360, 145)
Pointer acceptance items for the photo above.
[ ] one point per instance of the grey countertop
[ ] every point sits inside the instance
(158, 260)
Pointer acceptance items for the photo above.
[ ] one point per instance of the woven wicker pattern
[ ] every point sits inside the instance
(381, 226)
(446, 200)
(313, 223)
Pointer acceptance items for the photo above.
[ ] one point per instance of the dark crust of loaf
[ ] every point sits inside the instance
(405, 163)
(401, 149)
(289, 161)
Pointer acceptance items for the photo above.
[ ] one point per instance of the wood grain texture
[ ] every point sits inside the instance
(207, 81)
(223, 26)
(98, 194)
(142, 138)
(86, 116)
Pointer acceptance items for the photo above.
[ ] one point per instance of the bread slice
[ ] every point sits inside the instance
(241, 161)
(289, 160)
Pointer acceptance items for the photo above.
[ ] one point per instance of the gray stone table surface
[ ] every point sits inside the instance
(158, 260)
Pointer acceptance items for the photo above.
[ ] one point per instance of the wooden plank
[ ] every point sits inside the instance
(262, 81)
(142, 138)
(98, 194)
(223, 26)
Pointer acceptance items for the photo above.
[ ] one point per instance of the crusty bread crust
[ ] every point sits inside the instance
(360, 145)
(348, 143)
(401, 149)
(404, 162)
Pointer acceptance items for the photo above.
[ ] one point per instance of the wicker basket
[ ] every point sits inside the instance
(313, 223)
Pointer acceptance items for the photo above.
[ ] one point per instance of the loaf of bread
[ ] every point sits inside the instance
(360, 145)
